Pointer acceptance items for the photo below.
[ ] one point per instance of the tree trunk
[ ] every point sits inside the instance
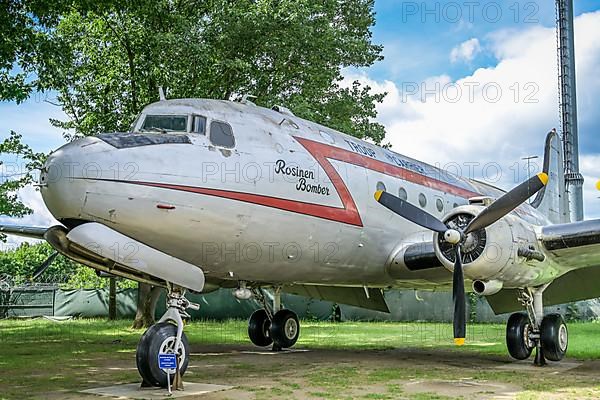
(146, 305)
(112, 298)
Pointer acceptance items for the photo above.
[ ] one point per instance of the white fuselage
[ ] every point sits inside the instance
(291, 202)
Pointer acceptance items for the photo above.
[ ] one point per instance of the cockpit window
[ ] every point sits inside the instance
(199, 125)
(174, 123)
(221, 134)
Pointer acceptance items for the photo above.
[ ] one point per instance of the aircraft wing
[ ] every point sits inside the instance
(371, 299)
(575, 245)
(33, 232)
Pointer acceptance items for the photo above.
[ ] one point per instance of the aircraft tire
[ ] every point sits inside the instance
(517, 341)
(285, 329)
(258, 328)
(554, 336)
(159, 338)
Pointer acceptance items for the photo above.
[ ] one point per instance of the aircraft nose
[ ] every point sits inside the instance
(62, 180)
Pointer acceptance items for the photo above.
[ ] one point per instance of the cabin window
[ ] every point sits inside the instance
(402, 193)
(199, 125)
(328, 138)
(380, 186)
(221, 134)
(422, 200)
(439, 204)
(165, 123)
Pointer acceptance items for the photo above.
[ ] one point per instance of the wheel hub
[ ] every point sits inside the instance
(290, 328)
(168, 346)
(563, 338)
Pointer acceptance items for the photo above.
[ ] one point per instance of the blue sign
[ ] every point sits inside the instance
(167, 361)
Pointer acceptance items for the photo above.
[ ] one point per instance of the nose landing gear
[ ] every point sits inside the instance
(547, 334)
(166, 336)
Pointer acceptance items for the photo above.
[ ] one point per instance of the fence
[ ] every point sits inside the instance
(405, 305)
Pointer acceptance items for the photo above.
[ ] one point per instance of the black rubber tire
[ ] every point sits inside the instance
(516, 336)
(554, 336)
(285, 329)
(146, 355)
(258, 328)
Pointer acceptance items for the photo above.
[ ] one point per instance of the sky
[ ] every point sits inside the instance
(469, 83)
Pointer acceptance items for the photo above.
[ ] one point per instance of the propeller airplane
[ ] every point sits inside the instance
(207, 194)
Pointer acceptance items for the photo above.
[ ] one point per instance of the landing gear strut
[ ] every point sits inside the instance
(276, 326)
(166, 336)
(547, 334)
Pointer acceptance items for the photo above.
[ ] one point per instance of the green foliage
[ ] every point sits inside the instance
(12, 181)
(289, 52)
(24, 44)
(472, 301)
(20, 263)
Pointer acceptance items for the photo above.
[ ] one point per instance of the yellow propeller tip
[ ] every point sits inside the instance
(459, 341)
(378, 194)
(543, 178)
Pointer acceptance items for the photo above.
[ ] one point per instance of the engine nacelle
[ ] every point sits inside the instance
(494, 254)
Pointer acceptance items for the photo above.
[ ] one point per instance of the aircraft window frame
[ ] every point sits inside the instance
(193, 127)
(439, 204)
(185, 130)
(327, 137)
(380, 186)
(422, 200)
(210, 134)
(403, 194)
(133, 126)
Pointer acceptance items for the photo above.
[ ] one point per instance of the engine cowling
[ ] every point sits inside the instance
(493, 254)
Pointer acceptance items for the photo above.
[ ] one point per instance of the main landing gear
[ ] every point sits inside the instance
(166, 336)
(276, 326)
(532, 330)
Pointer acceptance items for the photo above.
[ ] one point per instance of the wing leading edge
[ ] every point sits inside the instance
(32, 232)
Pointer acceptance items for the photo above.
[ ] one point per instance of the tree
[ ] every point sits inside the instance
(21, 262)
(10, 205)
(285, 52)
(24, 49)
(108, 61)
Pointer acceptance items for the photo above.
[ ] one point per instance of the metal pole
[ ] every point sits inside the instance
(568, 106)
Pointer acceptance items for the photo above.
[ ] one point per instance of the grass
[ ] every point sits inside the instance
(39, 357)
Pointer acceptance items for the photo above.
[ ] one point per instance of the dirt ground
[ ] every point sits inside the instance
(370, 374)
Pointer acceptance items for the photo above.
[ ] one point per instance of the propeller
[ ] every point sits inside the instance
(498, 209)
(42, 268)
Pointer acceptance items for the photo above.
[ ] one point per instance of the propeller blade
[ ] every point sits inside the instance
(44, 266)
(508, 202)
(458, 297)
(410, 212)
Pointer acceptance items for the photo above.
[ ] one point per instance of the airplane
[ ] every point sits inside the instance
(204, 194)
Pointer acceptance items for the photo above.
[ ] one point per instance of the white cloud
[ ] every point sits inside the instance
(40, 217)
(502, 113)
(466, 51)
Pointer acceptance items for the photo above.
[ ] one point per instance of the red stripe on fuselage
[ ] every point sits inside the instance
(315, 210)
(322, 153)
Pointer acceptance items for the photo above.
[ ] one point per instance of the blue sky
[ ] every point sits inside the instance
(442, 45)
(418, 36)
